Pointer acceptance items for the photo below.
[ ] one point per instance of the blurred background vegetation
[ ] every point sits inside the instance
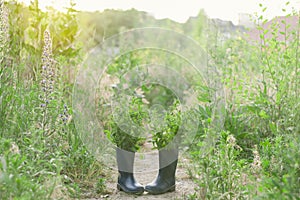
(257, 155)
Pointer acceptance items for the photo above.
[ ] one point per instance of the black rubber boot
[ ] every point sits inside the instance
(126, 180)
(165, 180)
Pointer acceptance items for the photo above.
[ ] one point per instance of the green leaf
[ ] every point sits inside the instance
(263, 114)
(264, 9)
(282, 33)
(273, 127)
(266, 31)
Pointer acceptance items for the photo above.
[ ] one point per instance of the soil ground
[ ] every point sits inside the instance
(146, 168)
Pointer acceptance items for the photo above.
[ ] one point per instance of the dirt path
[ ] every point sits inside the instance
(146, 168)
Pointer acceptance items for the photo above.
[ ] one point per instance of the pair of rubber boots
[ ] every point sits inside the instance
(164, 182)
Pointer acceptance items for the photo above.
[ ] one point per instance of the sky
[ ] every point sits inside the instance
(181, 10)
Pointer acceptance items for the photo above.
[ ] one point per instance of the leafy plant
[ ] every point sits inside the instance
(170, 127)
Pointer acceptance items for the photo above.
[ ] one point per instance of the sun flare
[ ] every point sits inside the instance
(46, 4)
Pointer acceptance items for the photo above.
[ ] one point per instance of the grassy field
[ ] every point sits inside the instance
(257, 152)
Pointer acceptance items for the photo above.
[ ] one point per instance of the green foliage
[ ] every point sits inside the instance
(280, 164)
(255, 156)
(141, 100)
(171, 124)
(219, 172)
(261, 86)
(41, 154)
(122, 139)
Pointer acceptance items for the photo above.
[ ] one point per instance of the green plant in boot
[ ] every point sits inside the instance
(127, 145)
(168, 154)
(165, 180)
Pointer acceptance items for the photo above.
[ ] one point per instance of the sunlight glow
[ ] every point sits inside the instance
(179, 10)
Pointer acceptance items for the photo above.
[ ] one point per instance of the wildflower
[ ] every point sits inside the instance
(14, 148)
(231, 140)
(256, 165)
(4, 33)
(47, 82)
(47, 67)
(65, 117)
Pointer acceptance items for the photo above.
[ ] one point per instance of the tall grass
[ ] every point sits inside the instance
(42, 157)
(261, 81)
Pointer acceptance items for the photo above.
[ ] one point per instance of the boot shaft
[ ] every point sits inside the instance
(165, 180)
(125, 160)
(167, 157)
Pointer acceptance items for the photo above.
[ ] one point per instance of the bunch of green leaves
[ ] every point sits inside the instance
(126, 140)
(170, 127)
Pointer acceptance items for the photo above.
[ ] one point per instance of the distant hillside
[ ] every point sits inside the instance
(99, 25)
(95, 26)
(226, 28)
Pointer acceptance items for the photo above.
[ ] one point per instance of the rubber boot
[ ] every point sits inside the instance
(126, 180)
(165, 180)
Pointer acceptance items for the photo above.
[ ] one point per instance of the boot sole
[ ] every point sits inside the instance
(119, 187)
(170, 189)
